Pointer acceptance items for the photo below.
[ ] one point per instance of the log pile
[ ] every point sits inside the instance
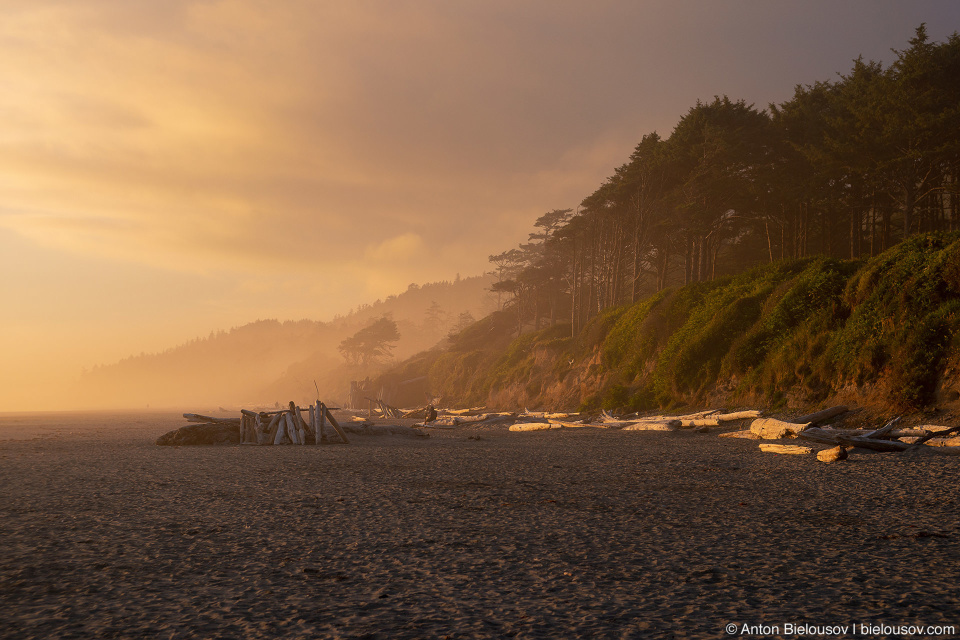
(886, 438)
(285, 426)
(811, 428)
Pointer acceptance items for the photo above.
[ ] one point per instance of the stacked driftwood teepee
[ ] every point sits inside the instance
(282, 426)
(287, 426)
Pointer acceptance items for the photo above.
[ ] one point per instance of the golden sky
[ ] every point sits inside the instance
(172, 167)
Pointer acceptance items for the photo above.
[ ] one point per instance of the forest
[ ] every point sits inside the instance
(844, 169)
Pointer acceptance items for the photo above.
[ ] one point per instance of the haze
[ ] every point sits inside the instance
(173, 167)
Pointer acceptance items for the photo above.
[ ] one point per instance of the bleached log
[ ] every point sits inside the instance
(738, 415)
(826, 414)
(666, 425)
(302, 427)
(334, 423)
(311, 414)
(908, 432)
(873, 443)
(699, 422)
(785, 448)
(832, 455)
(709, 413)
(746, 433)
(533, 426)
(463, 412)
(606, 417)
(281, 428)
(321, 423)
(884, 430)
(816, 434)
(566, 424)
(292, 431)
(494, 419)
(271, 431)
(938, 433)
(935, 428)
(446, 421)
(943, 442)
(258, 428)
(468, 419)
(773, 429)
(618, 424)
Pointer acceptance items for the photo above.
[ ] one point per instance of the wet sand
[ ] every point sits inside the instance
(487, 534)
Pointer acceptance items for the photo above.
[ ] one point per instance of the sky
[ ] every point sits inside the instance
(172, 167)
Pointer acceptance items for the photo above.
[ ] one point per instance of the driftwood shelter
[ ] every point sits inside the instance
(283, 426)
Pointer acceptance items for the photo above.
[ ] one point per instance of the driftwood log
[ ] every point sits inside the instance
(773, 429)
(737, 415)
(662, 425)
(784, 448)
(533, 426)
(746, 434)
(832, 455)
(334, 423)
(823, 416)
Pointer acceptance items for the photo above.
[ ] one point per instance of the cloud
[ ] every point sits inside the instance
(298, 158)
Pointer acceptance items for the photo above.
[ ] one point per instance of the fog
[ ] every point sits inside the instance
(267, 362)
(173, 168)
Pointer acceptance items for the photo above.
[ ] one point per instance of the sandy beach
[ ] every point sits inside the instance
(465, 534)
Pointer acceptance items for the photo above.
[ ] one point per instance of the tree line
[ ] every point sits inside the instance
(845, 168)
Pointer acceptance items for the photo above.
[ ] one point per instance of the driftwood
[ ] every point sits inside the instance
(816, 434)
(737, 415)
(533, 426)
(334, 423)
(258, 429)
(822, 416)
(838, 438)
(784, 448)
(281, 429)
(664, 425)
(772, 429)
(935, 434)
(321, 422)
(566, 424)
(884, 430)
(492, 419)
(874, 443)
(746, 433)
(465, 412)
(271, 432)
(832, 455)
(699, 422)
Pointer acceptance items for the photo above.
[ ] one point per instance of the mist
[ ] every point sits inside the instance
(266, 362)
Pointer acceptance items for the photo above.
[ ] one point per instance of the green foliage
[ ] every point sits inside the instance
(903, 316)
(617, 396)
(801, 329)
(794, 301)
(626, 337)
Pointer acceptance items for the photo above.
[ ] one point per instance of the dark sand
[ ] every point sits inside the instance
(559, 534)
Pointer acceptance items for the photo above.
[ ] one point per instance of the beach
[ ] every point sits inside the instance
(463, 534)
